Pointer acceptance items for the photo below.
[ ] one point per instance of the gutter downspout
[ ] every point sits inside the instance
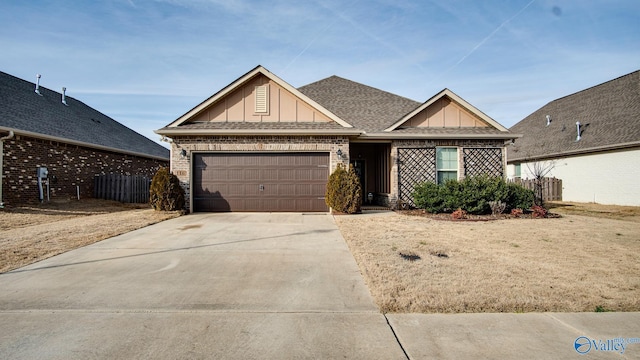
(2, 139)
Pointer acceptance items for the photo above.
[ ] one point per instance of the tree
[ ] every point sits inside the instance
(539, 170)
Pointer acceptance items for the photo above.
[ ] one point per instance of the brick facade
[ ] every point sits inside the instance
(180, 166)
(480, 143)
(69, 166)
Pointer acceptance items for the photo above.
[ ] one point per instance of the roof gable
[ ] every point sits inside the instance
(235, 104)
(446, 110)
(25, 112)
(609, 116)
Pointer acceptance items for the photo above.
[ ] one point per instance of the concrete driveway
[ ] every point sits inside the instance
(259, 286)
(228, 285)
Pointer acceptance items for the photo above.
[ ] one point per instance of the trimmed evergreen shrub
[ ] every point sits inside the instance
(344, 192)
(427, 196)
(477, 191)
(165, 193)
(473, 195)
(518, 197)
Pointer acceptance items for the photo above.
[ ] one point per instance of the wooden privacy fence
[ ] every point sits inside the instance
(551, 187)
(123, 188)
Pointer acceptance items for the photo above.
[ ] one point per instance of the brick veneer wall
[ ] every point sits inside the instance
(180, 166)
(480, 143)
(71, 166)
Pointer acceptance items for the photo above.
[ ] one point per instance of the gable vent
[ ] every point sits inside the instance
(262, 99)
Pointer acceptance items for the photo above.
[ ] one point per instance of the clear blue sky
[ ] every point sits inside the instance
(146, 62)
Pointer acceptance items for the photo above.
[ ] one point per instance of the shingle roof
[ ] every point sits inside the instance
(609, 114)
(362, 106)
(24, 110)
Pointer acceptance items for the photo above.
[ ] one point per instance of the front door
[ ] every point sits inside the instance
(359, 168)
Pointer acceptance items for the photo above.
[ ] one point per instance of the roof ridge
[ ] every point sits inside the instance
(359, 84)
(597, 85)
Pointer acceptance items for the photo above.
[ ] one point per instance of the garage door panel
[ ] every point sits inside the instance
(260, 182)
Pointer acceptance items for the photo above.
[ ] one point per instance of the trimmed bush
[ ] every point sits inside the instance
(474, 195)
(344, 192)
(427, 196)
(165, 193)
(518, 197)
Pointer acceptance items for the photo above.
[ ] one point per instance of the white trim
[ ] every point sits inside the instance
(450, 94)
(456, 169)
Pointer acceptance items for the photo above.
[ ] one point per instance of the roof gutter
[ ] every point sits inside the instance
(82, 143)
(247, 132)
(381, 136)
(2, 139)
(577, 152)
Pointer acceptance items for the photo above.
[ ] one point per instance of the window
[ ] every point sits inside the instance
(446, 164)
(518, 170)
(262, 99)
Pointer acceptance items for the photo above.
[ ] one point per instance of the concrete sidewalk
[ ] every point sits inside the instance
(519, 336)
(256, 286)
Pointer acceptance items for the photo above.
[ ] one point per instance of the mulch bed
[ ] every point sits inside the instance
(471, 217)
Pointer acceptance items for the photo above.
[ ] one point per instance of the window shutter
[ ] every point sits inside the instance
(262, 99)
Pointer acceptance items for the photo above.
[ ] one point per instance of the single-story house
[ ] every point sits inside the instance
(590, 140)
(260, 144)
(42, 128)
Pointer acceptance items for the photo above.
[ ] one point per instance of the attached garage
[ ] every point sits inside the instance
(260, 182)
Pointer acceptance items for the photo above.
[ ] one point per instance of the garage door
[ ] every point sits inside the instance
(260, 182)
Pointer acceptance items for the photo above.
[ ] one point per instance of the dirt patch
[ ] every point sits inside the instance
(573, 263)
(33, 233)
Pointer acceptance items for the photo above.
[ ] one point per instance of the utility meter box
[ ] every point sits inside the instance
(42, 172)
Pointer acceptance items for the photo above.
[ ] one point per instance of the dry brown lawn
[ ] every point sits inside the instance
(33, 233)
(574, 263)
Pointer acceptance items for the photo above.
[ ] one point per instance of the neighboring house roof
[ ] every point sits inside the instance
(45, 116)
(350, 108)
(609, 114)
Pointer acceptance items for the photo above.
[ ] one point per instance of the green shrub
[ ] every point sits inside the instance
(473, 195)
(478, 191)
(427, 196)
(165, 193)
(518, 197)
(344, 192)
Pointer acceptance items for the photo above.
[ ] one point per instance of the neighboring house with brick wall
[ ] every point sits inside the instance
(260, 144)
(590, 140)
(73, 141)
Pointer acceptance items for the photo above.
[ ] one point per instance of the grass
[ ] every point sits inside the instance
(33, 233)
(574, 263)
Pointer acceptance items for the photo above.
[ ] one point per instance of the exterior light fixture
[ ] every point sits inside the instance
(339, 153)
(183, 153)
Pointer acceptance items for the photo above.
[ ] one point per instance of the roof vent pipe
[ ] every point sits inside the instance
(548, 120)
(578, 128)
(38, 84)
(64, 89)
